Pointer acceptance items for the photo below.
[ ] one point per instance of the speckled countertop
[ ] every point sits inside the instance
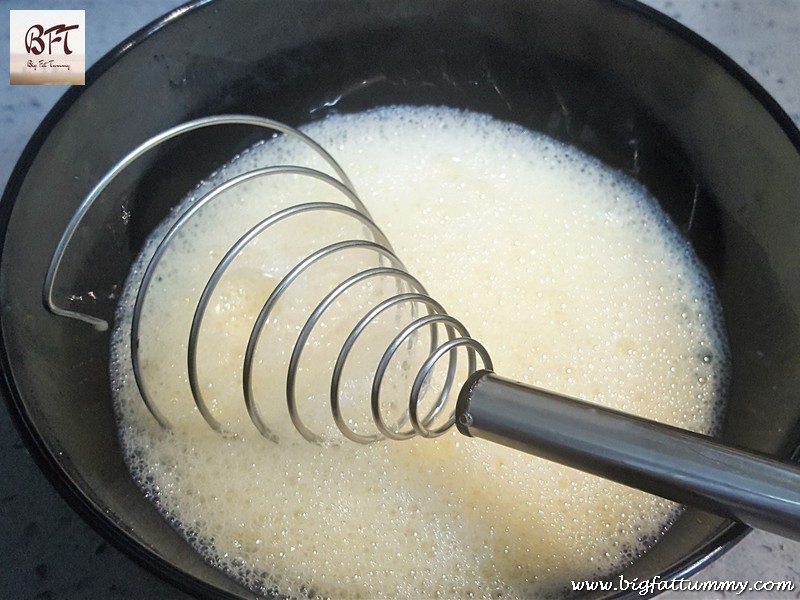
(47, 552)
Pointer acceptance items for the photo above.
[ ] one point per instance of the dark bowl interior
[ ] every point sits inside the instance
(612, 78)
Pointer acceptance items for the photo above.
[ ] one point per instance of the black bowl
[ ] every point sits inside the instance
(613, 78)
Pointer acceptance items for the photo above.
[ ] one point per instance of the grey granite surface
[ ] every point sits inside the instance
(47, 552)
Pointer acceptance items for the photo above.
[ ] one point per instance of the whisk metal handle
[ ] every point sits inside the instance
(689, 468)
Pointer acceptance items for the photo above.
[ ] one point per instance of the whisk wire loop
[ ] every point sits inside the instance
(418, 297)
(275, 296)
(305, 334)
(409, 290)
(48, 289)
(430, 321)
(421, 424)
(228, 259)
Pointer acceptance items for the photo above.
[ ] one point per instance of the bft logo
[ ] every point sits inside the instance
(35, 38)
(47, 47)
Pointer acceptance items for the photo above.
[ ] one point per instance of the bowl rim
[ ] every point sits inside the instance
(725, 538)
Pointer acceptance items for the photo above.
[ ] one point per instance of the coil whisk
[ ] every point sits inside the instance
(679, 465)
(428, 419)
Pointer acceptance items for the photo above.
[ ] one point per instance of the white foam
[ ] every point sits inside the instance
(568, 273)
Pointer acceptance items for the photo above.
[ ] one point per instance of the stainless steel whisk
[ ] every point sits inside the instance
(683, 466)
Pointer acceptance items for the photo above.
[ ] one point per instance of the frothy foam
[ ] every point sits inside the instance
(568, 273)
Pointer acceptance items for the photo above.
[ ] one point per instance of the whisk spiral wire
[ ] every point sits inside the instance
(429, 421)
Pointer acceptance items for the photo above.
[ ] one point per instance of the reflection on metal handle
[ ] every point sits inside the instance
(679, 465)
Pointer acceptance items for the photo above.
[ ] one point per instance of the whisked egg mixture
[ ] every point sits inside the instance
(566, 271)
